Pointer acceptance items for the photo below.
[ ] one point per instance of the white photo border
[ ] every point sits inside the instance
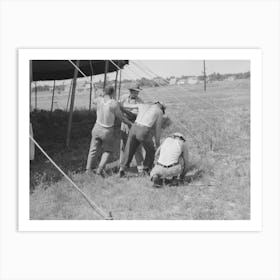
(255, 222)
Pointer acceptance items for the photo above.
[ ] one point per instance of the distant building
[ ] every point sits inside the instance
(172, 81)
(181, 81)
(231, 78)
(192, 80)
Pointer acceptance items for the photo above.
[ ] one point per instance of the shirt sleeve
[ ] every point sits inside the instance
(139, 100)
(123, 99)
(96, 100)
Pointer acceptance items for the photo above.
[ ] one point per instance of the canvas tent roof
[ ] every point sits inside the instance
(43, 70)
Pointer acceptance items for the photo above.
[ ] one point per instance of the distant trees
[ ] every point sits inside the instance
(220, 77)
(48, 88)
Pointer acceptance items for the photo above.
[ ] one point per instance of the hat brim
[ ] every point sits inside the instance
(135, 89)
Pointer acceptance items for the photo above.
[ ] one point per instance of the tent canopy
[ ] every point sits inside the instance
(44, 70)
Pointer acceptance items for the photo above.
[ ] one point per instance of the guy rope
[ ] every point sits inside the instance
(93, 205)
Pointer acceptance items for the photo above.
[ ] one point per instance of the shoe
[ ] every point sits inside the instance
(157, 182)
(88, 172)
(121, 173)
(174, 182)
(143, 173)
(100, 172)
(146, 170)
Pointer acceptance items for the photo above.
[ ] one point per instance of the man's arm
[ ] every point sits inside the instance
(185, 156)
(128, 106)
(157, 151)
(158, 126)
(94, 103)
(121, 116)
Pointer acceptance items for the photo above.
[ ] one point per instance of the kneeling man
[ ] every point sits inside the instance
(168, 164)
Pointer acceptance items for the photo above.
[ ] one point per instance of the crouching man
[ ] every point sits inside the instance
(168, 165)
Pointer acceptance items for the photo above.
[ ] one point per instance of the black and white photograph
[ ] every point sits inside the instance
(140, 139)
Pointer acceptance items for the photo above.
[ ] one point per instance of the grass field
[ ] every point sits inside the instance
(217, 186)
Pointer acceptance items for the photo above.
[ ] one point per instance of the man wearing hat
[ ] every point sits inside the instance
(168, 165)
(131, 113)
(149, 120)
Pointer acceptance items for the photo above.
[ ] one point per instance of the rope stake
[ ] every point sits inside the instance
(94, 206)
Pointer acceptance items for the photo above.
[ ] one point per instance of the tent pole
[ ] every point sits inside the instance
(116, 82)
(119, 95)
(35, 96)
(204, 75)
(72, 104)
(70, 88)
(53, 95)
(105, 73)
(30, 84)
(90, 95)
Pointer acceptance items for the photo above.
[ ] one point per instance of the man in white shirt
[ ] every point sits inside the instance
(125, 101)
(149, 119)
(168, 164)
(102, 141)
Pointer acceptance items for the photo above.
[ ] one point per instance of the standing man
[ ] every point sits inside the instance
(149, 118)
(125, 101)
(168, 165)
(102, 141)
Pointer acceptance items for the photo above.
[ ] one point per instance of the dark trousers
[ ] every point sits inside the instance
(139, 135)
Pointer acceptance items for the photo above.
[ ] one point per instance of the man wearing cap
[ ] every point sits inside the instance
(168, 165)
(125, 101)
(102, 142)
(149, 120)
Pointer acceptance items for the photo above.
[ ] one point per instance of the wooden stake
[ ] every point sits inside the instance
(105, 73)
(53, 95)
(119, 95)
(30, 84)
(70, 88)
(204, 74)
(35, 96)
(116, 82)
(72, 104)
(90, 94)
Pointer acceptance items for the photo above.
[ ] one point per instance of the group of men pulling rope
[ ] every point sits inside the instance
(141, 128)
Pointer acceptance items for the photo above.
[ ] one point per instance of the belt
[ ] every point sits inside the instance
(142, 125)
(168, 166)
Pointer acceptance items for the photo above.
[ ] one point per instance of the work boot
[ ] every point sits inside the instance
(121, 174)
(100, 172)
(157, 182)
(173, 182)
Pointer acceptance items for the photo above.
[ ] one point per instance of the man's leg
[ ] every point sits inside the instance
(107, 148)
(130, 148)
(124, 136)
(149, 147)
(156, 176)
(94, 152)
(104, 159)
(139, 158)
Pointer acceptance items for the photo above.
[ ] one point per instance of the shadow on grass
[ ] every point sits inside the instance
(50, 132)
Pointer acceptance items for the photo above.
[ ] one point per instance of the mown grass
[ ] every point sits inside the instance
(217, 185)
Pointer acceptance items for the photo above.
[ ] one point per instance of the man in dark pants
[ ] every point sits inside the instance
(149, 118)
(127, 100)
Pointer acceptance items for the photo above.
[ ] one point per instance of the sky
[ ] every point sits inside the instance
(166, 68)
(178, 68)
